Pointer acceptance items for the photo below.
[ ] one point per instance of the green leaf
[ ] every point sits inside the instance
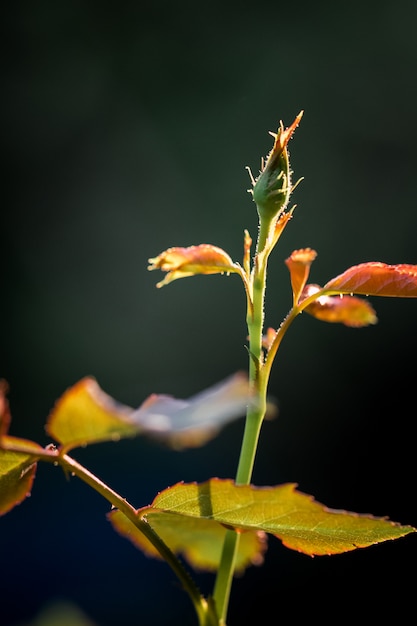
(295, 518)
(17, 472)
(86, 414)
(199, 540)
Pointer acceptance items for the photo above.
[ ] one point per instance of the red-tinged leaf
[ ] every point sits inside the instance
(282, 138)
(199, 541)
(247, 243)
(343, 309)
(299, 521)
(85, 414)
(17, 472)
(280, 225)
(299, 263)
(377, 279)
(183, 262)
(5, 417)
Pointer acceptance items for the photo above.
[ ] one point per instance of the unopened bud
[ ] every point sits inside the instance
(272, 189)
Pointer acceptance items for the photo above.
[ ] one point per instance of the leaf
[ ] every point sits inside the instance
(86, 414)
(193, 422)
(295, 518)
(377, 279)
(299, 263)
(183, 262)
(5, 417)
(200, 541)
(281, 223)
(343, 309)
(17, 472)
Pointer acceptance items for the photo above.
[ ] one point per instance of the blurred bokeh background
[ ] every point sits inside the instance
(126, 129)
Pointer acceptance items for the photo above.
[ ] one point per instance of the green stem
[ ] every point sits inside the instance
(253, 423)
(199, 602)
(205, 611)
(276, 343)
(265, 226)
(296, 310)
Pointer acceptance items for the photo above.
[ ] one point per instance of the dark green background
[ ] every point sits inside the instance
(126, 130)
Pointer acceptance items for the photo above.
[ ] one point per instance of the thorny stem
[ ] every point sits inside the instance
(254, 418)
(296, 310)
(259, 371)
(205, 612)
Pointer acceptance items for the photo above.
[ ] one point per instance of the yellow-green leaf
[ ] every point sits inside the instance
(17, 472)
(299, 521)
(86, 414)
(198, 540)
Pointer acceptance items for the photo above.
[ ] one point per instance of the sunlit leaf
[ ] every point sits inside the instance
(183, 262)
(17, 472)
(299, 263)
(342, 309)
(299, 521)
(247, 243)
(193, 422)
(198, 540)
(85, 414)
(280, 225)
(377, 279)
